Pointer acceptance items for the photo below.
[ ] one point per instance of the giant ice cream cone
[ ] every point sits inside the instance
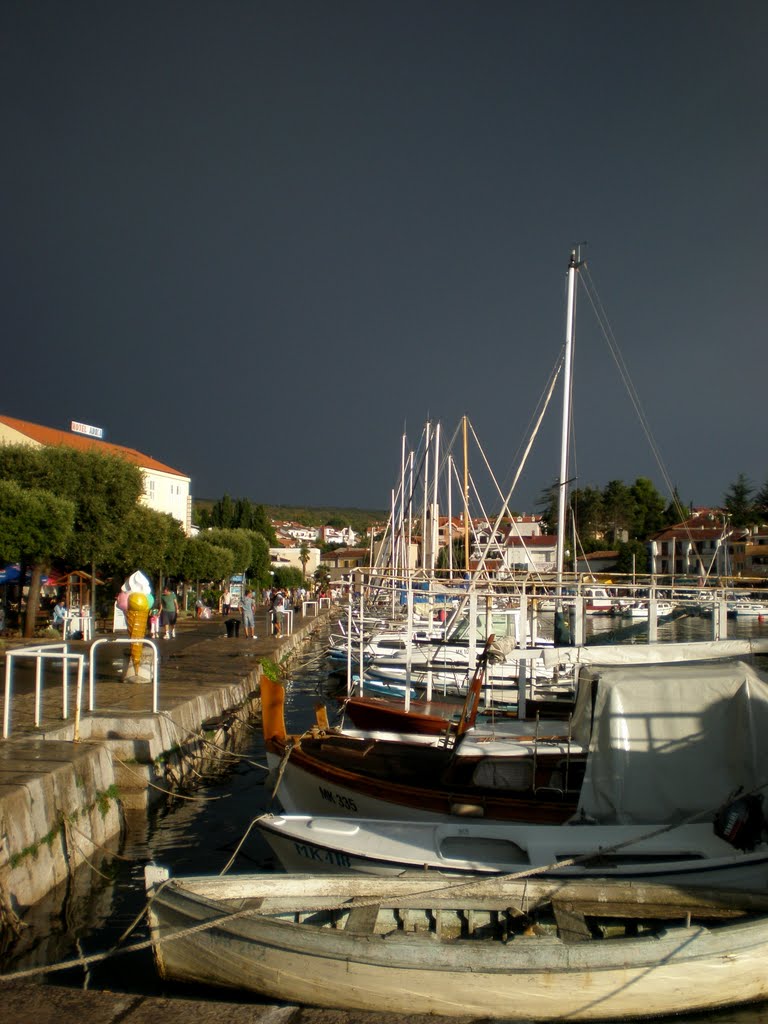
(136, 617)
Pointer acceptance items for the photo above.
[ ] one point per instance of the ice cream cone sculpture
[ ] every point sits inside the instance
(136, 617)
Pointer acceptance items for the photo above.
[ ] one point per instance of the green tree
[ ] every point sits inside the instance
(239, 542)
(223, 513)
(263, 524)
(633, 557)
(151, 541)
(587, 505)
(619, 509)
(761, 503)
(738, 502)
(260, 561)
(102, 488)
(35, 525)
(442, 560)
(204, 562)
(649, 508)
(548, 505)
(304, 557)
(288, 576)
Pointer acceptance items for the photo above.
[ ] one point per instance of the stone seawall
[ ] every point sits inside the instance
(62, 801)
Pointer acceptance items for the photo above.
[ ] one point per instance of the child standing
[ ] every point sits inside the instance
(154, 621)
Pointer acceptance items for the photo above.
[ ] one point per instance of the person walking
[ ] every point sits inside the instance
(249, 621)
(278, 602)
(170, 604)
(226, 601)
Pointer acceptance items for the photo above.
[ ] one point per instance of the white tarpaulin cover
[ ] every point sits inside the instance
(631, 654)
(670, 741)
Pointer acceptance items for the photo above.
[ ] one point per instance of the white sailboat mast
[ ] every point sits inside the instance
(433, 516)
(573, 268)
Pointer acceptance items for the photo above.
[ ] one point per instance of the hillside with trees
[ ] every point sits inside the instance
(207, 512)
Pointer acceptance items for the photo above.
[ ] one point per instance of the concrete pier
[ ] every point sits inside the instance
(62, 799)
(47, 1004)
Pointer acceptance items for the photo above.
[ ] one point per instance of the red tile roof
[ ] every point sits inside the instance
(50, 436)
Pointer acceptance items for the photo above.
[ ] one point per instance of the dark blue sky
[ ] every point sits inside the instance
(258, 240)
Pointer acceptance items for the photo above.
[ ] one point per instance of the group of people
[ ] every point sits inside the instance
(279, 603)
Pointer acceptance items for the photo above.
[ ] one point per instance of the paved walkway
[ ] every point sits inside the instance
(202, 655)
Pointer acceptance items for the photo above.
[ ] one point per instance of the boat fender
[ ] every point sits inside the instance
(741, 823)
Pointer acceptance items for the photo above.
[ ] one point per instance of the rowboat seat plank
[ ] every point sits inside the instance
(571, 924)
(363, 919)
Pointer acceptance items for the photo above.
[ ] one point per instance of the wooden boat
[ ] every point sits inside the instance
(398, 775)
(490, 948)
(435, 717)
(646, 744)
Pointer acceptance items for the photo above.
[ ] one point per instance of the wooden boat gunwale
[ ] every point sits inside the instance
(663, 972)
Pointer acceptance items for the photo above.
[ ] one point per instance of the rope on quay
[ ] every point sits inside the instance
(170, 792)
(94, 958)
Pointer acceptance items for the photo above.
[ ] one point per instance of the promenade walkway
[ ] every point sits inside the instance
(121, 757)
(200, 659)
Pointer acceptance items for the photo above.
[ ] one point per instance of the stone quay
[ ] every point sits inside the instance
(70, 786)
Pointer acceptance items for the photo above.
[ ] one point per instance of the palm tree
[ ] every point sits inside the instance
(304, 557)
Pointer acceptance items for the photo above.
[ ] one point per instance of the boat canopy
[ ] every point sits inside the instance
(667, 742)
(633, 654)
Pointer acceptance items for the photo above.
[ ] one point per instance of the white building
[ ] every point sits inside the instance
(291, 556)
(165, 489)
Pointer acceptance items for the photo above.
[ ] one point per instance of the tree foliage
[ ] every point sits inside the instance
(206, 561)
(738, 502)
(102, 490)
(618, 510)
(633, 557)
(288, 576)
(151, 541)
(239, 514)
(35, 525)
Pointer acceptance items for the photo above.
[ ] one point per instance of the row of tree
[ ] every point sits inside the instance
(744, 505)
(66, 509)
(235, 514)
(624, 516)
(618, 512)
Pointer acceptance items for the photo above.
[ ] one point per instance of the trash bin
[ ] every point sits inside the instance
(233, 627)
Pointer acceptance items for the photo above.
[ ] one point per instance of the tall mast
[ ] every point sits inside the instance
(466, 495)
(427, 443)
(573, 268)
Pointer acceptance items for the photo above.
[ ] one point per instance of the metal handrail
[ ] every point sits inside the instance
(40, 653)
(125, 640)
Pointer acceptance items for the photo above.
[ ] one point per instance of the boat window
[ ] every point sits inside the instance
(515, 774)
(494, 852)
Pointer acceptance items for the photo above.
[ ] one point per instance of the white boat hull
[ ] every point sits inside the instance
(687, 855)
(403, 951)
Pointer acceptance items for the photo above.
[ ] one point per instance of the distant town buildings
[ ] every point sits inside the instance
(295, 532)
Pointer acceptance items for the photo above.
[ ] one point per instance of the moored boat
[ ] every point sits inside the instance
(641, 781)
(692, 854)
(491, 948)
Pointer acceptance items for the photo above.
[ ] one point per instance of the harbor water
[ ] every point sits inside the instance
(209, 831)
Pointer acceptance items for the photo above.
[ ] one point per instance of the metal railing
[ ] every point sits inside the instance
(59, 652)
(42, 653)
(124, 640)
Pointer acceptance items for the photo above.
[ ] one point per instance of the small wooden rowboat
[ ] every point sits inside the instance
(495, 948)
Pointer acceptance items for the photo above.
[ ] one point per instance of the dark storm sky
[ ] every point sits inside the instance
(259, 240)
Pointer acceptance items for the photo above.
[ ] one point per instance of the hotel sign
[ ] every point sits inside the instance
(83, 428)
